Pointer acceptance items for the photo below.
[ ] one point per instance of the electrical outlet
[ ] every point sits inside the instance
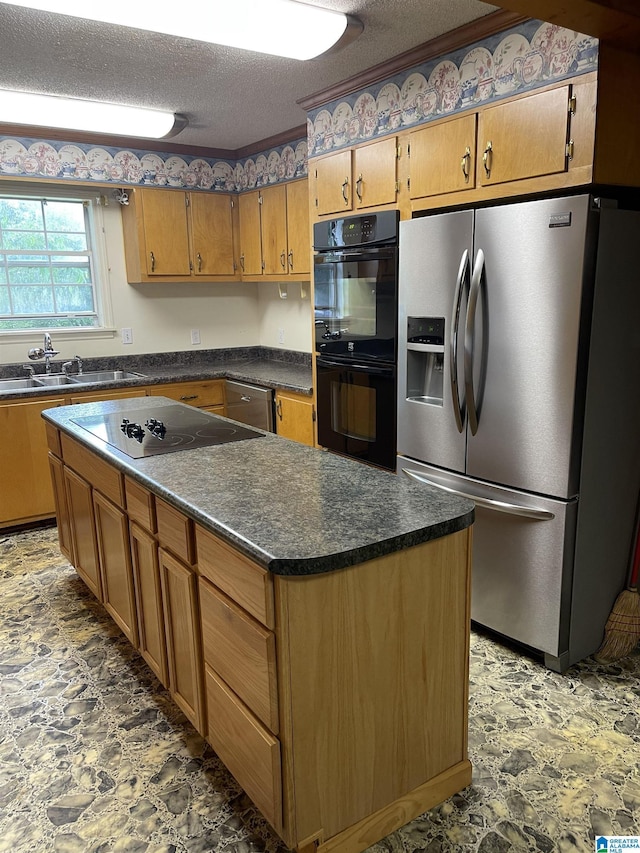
(127, 336)
(195, 336)
(280, 336)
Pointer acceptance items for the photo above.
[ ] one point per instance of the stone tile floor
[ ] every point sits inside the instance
(94, 757)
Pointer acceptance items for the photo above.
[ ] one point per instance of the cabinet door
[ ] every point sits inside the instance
(184, 653)
(250, 238)
(212, 234)
(273, 216)
(26, 493)
(294, 417)
(298, 234)
(526, 138)
(146, 576)
(443, 157)
(83, 530)
(165, 232)
(112, 534)
(100, 396)
(333, 183)
(374, 173)
(62, 511)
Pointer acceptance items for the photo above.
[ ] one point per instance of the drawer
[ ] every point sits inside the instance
(242, 652)
(102, 476)
(249, 751)
(208, 392)
(175, 532)
(247, 583)
(141, 505)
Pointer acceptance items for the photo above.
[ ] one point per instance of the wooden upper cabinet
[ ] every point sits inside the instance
(298, 234)
(443, 157)
(166, 234)
(333, 185)
(273, 216)
(524, 138)
(374, 173)
(250, 236)
(212, 234)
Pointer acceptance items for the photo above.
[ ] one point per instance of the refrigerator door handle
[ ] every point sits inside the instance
(462, 284)
(487, 503)
(477, 280)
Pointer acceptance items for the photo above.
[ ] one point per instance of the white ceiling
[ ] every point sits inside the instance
(232, 98)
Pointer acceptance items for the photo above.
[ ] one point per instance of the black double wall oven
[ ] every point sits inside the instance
(356, 308)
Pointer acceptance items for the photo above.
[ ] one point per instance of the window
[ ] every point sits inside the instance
(48, 277)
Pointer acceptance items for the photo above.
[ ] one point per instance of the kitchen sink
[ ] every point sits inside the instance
(50, 379)
(102, 376)
(17, 384)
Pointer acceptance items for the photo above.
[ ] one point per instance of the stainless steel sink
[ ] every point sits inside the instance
(50, 379)
(102, 376)
(17, 384)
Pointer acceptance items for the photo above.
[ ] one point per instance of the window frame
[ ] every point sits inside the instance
(100, 263)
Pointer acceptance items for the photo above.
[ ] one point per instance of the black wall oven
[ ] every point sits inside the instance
(356, 307)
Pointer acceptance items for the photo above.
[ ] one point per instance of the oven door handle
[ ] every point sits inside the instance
(374, 369)
(369, 254)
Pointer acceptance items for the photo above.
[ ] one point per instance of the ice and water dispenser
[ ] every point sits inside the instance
(425, 359)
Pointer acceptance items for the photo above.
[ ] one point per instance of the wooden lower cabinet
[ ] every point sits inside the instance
(146, 574)
(205, 394)
(181, 619)
(65, 540)
(337, 700)
(112, 533)
(294, 417)
(83, 530)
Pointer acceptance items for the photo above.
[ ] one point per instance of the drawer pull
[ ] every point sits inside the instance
(186, 397)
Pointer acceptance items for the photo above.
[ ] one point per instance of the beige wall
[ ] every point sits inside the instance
(162, 316)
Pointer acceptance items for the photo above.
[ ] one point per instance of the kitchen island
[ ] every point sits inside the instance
(309, 614)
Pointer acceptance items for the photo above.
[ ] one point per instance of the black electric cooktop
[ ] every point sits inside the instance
(165, 429)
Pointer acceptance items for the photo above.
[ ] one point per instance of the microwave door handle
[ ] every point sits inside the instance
(535, 513)
(462, 284)
(477, 279)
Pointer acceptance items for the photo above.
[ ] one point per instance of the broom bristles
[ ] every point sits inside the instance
(622, 631)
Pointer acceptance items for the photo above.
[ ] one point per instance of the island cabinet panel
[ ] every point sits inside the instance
(148, 588)
(104, 477)
(247, 583)
(141, 505)
(62, 512)
(182, 628)
(175, 532)
(83, 531)
(247, 748)
(118, 597)
(377, 663)
(241, 651)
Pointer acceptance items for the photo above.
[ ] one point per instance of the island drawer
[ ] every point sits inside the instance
(175, 532)
(208, 392)
(102, 476)
(53, 439)
(141, 505)
(250, 752)
(242, 652)
(247, 583)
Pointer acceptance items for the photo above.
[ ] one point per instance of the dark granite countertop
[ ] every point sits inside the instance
(293, 509)
(278, 369)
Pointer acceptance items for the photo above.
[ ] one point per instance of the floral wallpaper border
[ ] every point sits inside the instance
(525, 57)
(38, 158)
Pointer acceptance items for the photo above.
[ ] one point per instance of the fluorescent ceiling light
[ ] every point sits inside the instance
(280, 27)
(91, 116)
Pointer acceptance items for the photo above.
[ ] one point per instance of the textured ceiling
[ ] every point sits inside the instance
(232, 98)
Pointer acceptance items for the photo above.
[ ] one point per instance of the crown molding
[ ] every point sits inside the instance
(489, 25)
(291, 135)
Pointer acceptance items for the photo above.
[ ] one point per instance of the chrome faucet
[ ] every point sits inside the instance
(47, 353)
(68, 364)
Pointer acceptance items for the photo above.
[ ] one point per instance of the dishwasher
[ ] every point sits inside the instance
(249, 404)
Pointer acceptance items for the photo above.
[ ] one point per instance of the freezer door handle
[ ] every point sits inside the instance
(487, 503)
(462, 284)
(477, 281)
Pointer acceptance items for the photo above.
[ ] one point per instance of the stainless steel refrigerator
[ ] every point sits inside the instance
(519, 386)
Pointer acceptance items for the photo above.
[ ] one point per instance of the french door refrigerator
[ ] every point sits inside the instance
(519, 386)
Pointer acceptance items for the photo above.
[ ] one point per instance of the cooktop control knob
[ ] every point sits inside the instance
(132, 430)
(156, 427)
(124, 424)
